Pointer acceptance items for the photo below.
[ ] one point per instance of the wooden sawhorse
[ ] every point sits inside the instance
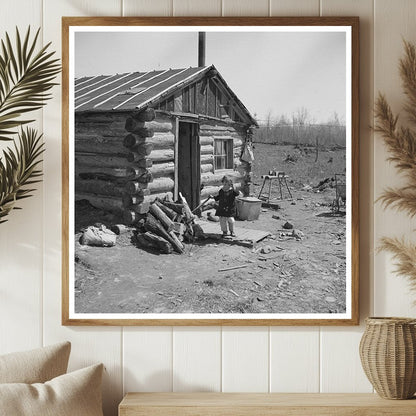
(281, 179)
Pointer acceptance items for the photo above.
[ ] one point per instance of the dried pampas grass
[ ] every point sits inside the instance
(401, 143)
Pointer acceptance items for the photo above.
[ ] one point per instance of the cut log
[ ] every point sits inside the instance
(162, 169)
(158, 156)
(161, 185)
(178, 208)
(138, 128)
(142, 208)
(140, 152)
(144, 115)
(207, 150)
(153, 225)
(99, 145)
(161, 216)
(169, 212)
(207, 168)
(186, 210)
(100, 117)
(151, 240)
(178, 228)
(102, 161)
(134, 126)
(94, 186)
(160, 196)
(105, 203)
(111, 128)
(159, 141)
(206, 140)
(157, 186)
(207, 159)
(162, 140)
(91, 172)
(159, 126)
(140, 175)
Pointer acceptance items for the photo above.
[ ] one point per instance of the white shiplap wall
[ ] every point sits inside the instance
(278, 359)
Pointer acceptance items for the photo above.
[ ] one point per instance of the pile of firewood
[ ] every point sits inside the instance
(167, 225)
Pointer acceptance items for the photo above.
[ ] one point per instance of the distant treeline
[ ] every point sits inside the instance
(323, 135)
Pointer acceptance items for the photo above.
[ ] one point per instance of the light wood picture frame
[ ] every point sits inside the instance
(272, 104)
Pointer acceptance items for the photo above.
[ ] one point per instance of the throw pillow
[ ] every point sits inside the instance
(35, 366)
(73, 394)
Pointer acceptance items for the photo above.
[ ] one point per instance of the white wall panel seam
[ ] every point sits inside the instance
(122, 359)
(269, 347)
(221, 358)
(172, 369)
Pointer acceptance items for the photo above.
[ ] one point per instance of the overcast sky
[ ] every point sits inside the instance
(269, 71)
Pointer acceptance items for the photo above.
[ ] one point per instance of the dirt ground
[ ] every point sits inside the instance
(281, 274)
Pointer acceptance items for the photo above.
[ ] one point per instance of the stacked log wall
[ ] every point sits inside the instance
(124, 161)
(152, 140)
(240, 173)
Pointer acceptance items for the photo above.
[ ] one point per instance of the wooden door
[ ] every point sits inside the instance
(189, 163)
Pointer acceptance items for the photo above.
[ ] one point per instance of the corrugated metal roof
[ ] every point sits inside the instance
(135, 90)
(129, 91)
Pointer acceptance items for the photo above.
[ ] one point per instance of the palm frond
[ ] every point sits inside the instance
(405, 255)
(407, 66)
(25, 79)
(402, 199)
(19, 169)
(401, 142)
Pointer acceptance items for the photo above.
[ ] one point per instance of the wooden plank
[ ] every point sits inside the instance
(147, 357)
(294, 360)
(21, 237)
(216, 404)
(196, 359)
(393, 22)
(242, 233)
(196, 8)
(245, 359)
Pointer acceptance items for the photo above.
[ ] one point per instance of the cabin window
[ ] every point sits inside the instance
(223, 154)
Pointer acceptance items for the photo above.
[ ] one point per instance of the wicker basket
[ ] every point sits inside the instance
(388, 356)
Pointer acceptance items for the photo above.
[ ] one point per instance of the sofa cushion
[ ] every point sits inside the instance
(73, 394)
(35, 366)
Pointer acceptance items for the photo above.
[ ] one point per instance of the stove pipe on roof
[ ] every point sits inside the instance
(201, 49)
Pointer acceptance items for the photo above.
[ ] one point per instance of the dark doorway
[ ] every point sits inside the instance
(189, 163)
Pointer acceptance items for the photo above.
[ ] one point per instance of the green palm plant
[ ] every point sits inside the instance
(401, 142)
(26, 77)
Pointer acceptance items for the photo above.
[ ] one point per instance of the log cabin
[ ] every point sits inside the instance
(144, 135)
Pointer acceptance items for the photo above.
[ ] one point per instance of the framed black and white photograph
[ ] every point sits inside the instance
(210, 171)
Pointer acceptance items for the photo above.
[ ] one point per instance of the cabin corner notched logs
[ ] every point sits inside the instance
(124, 161)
